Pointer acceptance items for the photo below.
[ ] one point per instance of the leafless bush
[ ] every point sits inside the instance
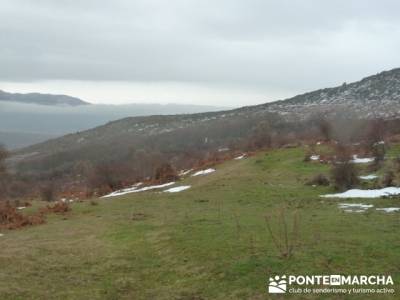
(59, 207)
(10, 218)
(325, 127)
(3, 173)
(3, 156)
(106, 177)
(284, 239)
(166, 173)
(379, 151)
(48, 192)
(344, 175)
(375, 131)
(388, 179)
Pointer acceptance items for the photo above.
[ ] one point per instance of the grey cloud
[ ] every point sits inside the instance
(288, 44)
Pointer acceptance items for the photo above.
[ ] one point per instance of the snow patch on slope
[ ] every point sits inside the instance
(389, 209)
(134, 189)
(178, 189)
(365, 160)
(204, 172)
(356, 193)
(368, 177)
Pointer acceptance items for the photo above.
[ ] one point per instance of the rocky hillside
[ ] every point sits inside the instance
(374, 96)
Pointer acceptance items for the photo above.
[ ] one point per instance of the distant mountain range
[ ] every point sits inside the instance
(26, 119)
(374, 96)
(41, 99)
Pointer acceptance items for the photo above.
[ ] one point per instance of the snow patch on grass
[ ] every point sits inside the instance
(178, 189)
(365, 160)
(134, 189)
(204, 172)
(240, 157)
(354, 207)
(389, 209)
(185, 172)
(356, 193)
(368, 177)
(357, 205)
(67, 200)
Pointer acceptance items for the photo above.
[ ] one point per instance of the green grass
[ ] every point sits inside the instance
(209, 242)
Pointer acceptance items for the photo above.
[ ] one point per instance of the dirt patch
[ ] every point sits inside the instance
(138, 216)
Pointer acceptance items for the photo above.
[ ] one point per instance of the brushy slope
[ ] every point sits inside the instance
(208, 242)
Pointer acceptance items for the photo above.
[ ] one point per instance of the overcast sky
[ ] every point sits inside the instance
(221, 52)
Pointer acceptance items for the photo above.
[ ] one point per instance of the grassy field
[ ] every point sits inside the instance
(208, 242)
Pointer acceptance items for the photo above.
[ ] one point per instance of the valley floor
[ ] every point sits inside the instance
(207, 242)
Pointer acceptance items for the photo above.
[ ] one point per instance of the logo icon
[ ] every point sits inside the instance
(335, 280)
(277, 285)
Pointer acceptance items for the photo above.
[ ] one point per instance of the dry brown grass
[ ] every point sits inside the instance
(10, 218)
(59, 207)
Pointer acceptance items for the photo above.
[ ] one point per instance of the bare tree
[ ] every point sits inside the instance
(325, 127)
(3, 172)
(165, 173)
(48, 191)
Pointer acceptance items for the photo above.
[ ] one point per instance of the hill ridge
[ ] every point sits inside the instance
(41, 99)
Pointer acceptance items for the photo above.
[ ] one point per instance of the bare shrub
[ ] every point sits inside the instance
(379, 151)
(107, 177)
(375, 131)
(48, 192)
(319, 179)
(342, 153)
(165, 173)
(325, 128)
(388, 179)
(3, 173)
(3, 155)
(19, 189)
(284, 239)
(59, 207)
(10, 218)
(344, 175)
